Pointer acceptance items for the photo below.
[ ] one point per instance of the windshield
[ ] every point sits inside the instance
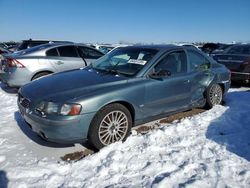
(125, 61)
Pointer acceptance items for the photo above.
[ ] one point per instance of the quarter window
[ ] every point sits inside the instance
(196, 60)
(67, 51)
(175, 63)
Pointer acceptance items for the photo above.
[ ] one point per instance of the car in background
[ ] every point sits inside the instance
(24, 66)
(11, 45)
(237, 59)
(2, 52)
(214, 48)
(25, 44)
(126, 87)
(105, 48)
(3, 45)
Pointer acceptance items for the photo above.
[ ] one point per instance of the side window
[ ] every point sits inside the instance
(52, 52)
(235, 50)
(196, 60)
(175, 62)
(89, 53)
(67, 51)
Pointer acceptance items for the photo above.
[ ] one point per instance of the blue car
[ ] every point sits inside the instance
(126, 87)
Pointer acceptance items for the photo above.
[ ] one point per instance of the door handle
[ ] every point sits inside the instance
(59, 62)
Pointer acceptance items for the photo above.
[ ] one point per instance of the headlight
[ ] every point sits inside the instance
(58, 108)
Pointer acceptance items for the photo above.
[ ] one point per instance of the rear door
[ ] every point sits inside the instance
(65, 58)
(201, 74)
(89, 54)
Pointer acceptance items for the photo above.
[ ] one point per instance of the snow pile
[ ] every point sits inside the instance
(211, 149)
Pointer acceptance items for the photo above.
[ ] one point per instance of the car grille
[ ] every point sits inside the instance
(23, 101)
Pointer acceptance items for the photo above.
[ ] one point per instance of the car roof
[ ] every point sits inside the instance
(154, 47)
(239, 45)
(43, 40)
(37, 50)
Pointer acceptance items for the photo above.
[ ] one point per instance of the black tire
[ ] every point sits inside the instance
(102, 127)
(213, 95)
(38, 75)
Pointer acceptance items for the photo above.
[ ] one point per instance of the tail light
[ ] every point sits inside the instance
(14, 63)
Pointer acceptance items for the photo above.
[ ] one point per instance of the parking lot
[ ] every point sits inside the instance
(124, 94)
(203, 145)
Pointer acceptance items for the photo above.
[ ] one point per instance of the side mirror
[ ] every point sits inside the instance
(160, 74)
(203, 67)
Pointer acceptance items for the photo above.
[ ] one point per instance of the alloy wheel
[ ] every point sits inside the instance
(113, 127)
(215, 94)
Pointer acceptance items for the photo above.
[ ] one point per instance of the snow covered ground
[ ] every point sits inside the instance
(211, 149)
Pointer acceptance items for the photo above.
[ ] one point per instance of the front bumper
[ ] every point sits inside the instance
(240, 77)
(60, 129)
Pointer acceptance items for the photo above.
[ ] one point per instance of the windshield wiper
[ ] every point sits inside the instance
(111, 70)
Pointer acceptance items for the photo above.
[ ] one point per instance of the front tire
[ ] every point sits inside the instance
(111, 124)
(214, 95)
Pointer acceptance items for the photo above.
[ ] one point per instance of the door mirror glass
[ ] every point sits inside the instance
(203, 67)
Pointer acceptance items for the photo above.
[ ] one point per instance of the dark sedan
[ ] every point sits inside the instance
(237, 59)
(126, 87)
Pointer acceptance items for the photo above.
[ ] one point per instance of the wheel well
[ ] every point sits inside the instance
(49, 72)
(129, 107)
(222, 87)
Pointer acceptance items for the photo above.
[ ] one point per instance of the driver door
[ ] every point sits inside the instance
(170, 91)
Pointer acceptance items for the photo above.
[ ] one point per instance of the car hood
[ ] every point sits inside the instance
(70, 85)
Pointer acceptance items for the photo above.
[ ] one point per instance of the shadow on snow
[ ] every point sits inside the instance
(232, 128)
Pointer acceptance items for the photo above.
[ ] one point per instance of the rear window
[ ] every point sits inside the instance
(67, 51)
(52, 52)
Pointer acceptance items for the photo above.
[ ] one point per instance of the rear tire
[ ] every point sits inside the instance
(39, 75)
(111, 124)
(214, 95)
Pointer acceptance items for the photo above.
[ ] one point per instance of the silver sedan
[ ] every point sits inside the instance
(22, 67)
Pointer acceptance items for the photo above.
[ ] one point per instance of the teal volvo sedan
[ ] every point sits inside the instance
(129, 86)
